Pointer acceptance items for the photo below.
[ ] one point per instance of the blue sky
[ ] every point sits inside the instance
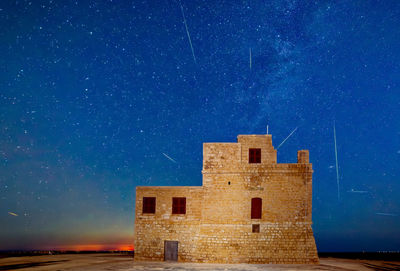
(92, 93)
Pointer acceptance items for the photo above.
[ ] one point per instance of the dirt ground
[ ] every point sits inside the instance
(91, 262)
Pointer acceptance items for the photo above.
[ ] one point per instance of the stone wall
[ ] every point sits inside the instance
(268, 153)
(151, 230)
(278, 243)
(217, 226)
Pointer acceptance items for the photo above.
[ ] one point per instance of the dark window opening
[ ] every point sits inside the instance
(229, 183)
(149, 205)
(179, 205)
(254, 156)
(255, 228)
(256, 208)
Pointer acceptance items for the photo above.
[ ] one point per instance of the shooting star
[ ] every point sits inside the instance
(13, 214)
(169, 158)
(250, 57)
(337, 167)
(387, 214)
(187, 32)
(287, 137)
(357, 191)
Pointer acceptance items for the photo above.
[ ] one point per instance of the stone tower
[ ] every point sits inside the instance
(250, 209)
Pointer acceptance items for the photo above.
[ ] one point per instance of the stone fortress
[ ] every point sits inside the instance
(250, 209)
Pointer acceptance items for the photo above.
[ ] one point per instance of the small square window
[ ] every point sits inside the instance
(149, 205)
(179, 206)
(255, 228)
(254, 156)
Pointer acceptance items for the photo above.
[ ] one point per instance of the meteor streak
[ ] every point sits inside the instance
(386, 214)
(250, 57)
(187, 32)
(287, 137)
(169, 158)
(337, 167)
(357, 191)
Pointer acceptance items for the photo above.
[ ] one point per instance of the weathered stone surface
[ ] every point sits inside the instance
(217, 226)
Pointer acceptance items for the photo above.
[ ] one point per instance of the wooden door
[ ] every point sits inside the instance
(171, 251)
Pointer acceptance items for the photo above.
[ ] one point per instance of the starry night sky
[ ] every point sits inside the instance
(92, 93)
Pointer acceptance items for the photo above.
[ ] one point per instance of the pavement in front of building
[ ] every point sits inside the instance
(120, 262)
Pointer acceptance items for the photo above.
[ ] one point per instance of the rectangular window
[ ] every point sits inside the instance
(254, 156)
(178, 205)
(256, 208)
(149, 205)
(255, 228)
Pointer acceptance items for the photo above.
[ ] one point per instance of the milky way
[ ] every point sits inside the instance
(97, 98)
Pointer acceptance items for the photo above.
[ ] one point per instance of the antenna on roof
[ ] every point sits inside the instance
(267, 129)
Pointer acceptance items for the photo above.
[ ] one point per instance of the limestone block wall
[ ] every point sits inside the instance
(151, 230)
(268, 153)
(230, 182)
(278, 243)
(285, 226)
(221, 156)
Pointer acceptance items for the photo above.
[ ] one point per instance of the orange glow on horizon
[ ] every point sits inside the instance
(93, 247)
(126, 248)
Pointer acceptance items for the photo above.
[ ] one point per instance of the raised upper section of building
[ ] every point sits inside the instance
(249, 144)
(251, 151)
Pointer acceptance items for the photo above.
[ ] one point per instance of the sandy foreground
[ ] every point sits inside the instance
(88, 262)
